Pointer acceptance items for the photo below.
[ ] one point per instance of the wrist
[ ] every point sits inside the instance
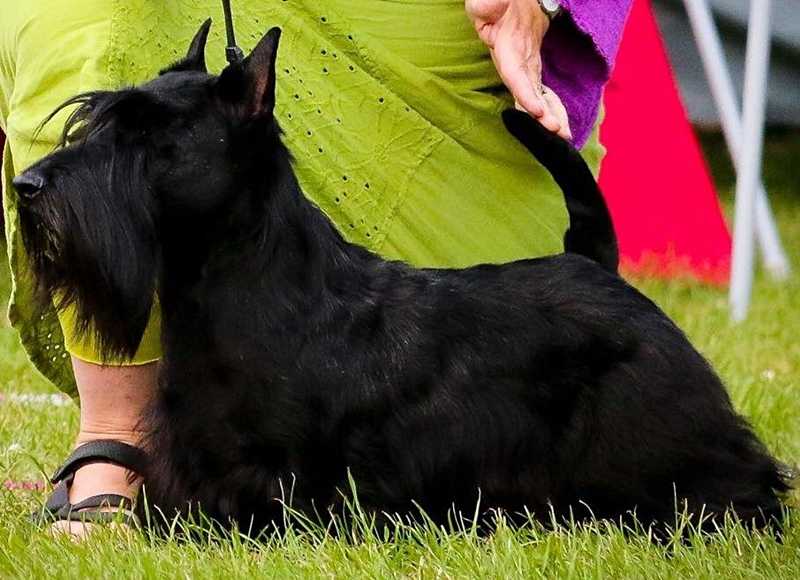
(551, 8)
(540, 19)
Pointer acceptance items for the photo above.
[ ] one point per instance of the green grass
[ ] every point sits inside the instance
(759, 360)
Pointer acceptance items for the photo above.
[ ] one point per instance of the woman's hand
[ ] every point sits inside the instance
(513, 30)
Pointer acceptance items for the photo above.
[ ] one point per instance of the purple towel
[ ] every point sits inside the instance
(578, 55)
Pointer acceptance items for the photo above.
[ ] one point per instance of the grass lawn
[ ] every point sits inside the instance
(759, 360)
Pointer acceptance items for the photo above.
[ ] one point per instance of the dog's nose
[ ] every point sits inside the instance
(28, 184)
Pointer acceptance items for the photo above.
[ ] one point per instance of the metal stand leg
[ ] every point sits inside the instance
(754, 104)
(719, 79)
(775, 259)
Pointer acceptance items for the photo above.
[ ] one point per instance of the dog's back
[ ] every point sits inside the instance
(591, 232)
(704, 448)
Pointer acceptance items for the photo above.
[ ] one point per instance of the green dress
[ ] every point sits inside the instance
(391, 110)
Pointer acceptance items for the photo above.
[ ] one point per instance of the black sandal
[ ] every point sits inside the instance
(57, 508)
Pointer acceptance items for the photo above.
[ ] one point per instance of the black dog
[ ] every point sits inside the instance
(294, 360)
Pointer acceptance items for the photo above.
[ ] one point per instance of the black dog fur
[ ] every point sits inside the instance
(292, 358)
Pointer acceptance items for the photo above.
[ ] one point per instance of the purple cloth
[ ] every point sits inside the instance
(578, 55)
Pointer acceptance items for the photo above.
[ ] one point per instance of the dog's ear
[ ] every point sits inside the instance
(249, 86)
(195, 59)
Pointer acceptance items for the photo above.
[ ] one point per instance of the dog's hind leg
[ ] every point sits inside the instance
(591, 232)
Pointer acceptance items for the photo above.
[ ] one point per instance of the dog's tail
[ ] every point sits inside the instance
(590, 232)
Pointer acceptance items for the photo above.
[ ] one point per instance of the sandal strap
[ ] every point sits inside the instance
(102, 450)
(59, 497)
(122, 517)
(58, 507)
(103, 501)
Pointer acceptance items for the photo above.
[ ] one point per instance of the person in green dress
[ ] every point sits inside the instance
(391, 110)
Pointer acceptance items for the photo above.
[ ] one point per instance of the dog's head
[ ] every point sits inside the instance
(167, 159)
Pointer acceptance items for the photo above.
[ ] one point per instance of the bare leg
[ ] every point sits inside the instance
(112, 400)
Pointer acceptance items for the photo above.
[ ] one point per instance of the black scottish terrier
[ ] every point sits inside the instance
(295, 360)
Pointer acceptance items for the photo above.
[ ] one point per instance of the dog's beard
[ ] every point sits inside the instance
(42, 229)
(90, 241)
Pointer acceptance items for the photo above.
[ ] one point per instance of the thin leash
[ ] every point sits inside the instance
(233, 53)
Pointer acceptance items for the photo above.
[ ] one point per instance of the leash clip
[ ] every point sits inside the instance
(233, 53)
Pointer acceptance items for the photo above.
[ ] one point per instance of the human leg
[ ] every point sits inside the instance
(113, 399)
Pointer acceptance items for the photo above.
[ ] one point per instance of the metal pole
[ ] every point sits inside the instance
(754, 103)
(719, 79)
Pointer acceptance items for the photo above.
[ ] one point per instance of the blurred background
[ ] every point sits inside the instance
(783, 103)
(668, 176)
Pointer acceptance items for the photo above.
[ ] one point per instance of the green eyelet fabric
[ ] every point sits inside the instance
(390, 108)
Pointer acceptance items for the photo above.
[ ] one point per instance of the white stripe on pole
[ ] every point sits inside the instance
(719, 79)
(754, 103)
